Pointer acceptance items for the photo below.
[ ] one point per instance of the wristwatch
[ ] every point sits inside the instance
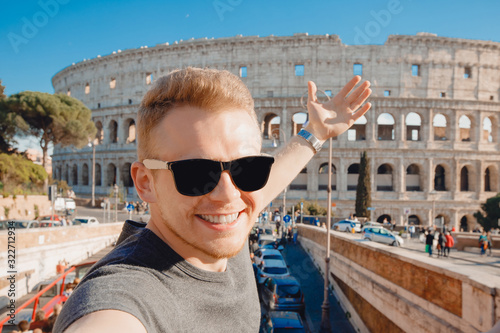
(313, 141)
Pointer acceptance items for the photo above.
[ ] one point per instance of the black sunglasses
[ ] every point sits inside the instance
(198, 177)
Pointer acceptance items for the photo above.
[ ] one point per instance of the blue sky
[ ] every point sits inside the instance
(39, 38)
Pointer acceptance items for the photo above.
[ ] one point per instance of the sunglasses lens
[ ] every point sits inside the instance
(196, 177)
(251, 173)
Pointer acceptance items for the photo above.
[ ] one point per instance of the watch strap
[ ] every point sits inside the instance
(313, 141)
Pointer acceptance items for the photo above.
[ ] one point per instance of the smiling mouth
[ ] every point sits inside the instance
(220, 219)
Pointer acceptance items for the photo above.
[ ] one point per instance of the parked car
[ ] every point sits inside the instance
(19, 224)
(347, 226)
(282, 321)
(271, 268)
(382, 235)
(48, 221)
(265, 239)
(372, 224)
(282, 293)
(65, 205)
(263, 254)
(85, 220)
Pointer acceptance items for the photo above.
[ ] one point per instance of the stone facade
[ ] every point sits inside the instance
(432, 133)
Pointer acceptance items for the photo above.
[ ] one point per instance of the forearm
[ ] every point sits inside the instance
(289, 161)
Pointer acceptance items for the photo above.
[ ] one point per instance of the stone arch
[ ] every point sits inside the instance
(74, 175)
(467, 178)
(441, 127)
(98, 175)
(85, 174)
(384, 180)
(113, 131)
(323, 177)
(99, 135)
(357, 132)
(352, 177)
(441, 220)
(414, 219)
(467, 222)
(384, 216)
(59, 172)
(66, 174)
(465, 126)
(269, 124)
(413, 178)
(491, 181)
(441, 180)
(298, 120)
(385, 127)
(111, 175)
(300, 182)
(126, 177)
(129, 130)
(489, 129)
(413, 123)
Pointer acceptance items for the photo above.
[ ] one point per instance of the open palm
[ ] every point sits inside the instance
(334, 117)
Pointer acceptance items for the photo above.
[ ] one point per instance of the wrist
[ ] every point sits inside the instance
(314, 131)
(311, 139)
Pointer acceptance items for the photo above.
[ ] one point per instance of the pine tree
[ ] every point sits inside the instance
(363, 190)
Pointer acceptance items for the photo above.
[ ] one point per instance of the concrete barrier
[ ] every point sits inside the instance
(468, 239)
(384, 291)
(38, 251)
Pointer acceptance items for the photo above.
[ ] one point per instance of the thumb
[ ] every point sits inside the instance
(311, 92)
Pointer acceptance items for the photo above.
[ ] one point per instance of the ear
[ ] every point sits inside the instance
(143, 181)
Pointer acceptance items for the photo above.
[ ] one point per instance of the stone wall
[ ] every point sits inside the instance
(384, 291)
(38, 251)
(23, 208)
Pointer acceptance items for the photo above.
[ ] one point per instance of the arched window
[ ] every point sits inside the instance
(269, 125)
(85, 174)
(126, 176)
(352, 177)
(413, 178)
(113, 132)
(439, 179)
(98, 175)
(440, 126)
(358, 131)
(464, 124)
(413, 125)
(298, 120)
(111, 175)
(487, 130)
(66, 174)
(74, 175)
(464, 179)
(385, 218)
(99, 135)
(385, 124)
(323, 177)
(384, 178)
(414, 219)
(130, 130)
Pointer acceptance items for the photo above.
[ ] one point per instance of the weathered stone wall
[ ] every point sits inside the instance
(386, 292)
(38, 251)
(23, 208)
(440, 88)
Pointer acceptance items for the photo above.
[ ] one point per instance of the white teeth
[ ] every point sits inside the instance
(220, 219)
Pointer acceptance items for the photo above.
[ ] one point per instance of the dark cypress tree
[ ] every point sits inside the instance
(363, 191)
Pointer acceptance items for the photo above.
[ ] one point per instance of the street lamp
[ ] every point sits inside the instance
(92, 144)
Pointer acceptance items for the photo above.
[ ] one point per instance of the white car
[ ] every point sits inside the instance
(382, 235)
(267, 254)
(347, 226)
(85, 220)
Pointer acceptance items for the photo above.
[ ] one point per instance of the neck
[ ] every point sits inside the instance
(186, 251)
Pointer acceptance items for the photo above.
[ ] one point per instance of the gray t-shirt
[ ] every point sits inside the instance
(143, 276)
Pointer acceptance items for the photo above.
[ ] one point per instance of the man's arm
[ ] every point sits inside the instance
(106, 321)
(325, 120)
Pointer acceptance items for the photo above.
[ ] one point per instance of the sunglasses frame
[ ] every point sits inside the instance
(154, 164)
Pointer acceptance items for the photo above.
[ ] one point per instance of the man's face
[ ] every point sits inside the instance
(194, 226)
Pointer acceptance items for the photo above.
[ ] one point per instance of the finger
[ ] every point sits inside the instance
(360, 100)
(311, 92)
(357, 92)
(356, 115)
(348, 87)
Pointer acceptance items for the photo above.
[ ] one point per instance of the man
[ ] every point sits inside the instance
(202, 173)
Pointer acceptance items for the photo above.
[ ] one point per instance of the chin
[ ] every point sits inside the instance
(224, 248)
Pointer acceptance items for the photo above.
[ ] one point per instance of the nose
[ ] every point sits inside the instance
(225, 191)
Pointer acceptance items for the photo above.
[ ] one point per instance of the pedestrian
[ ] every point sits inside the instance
(449, 244)
(411, 229)
(490, 241)
(201, 170)
(137, 207)
(295, 234)
(429, 242)
(483, 242)
(441, 244)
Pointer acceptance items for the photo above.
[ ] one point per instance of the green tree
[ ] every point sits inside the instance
(8, 124)
(18, 174)
(491, 216)
(52, 119)
(363, 190)
(311, 208)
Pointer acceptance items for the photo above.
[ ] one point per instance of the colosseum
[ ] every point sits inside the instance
(432, 134)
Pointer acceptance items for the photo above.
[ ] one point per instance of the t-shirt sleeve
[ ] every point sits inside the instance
(111, 288)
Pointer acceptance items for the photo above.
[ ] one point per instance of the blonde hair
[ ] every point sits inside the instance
(208, 89)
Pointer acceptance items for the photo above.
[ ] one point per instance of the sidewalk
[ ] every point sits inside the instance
(304, 270)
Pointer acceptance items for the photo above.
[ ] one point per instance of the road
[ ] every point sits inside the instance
(107, 217)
